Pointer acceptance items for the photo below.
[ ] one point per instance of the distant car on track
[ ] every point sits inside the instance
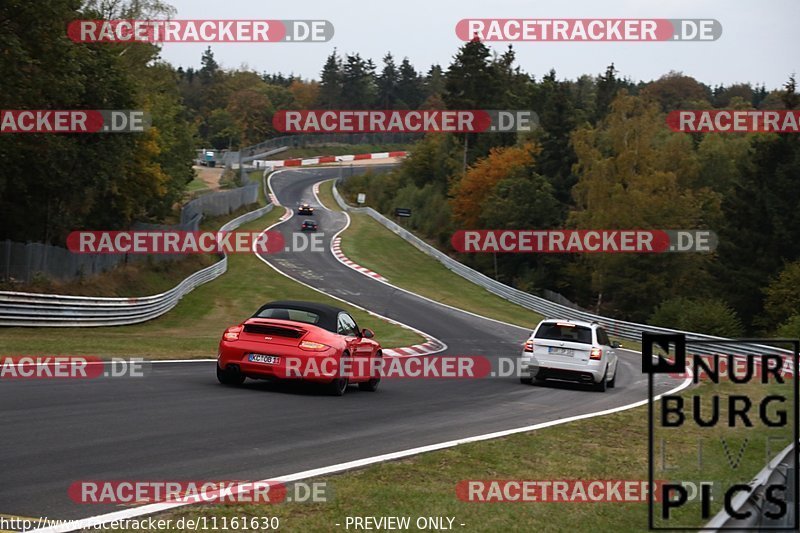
(309, 225)
(570, 350)
(305, 209)
(283, 335)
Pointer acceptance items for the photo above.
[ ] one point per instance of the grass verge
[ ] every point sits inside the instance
(196, 186)
(373, 246)
(326, 196)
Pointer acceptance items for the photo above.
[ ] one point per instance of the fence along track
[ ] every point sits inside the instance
(53, 310)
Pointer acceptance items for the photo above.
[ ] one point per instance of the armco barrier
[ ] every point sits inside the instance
(618, 328)
(781, 470)
(29, 309)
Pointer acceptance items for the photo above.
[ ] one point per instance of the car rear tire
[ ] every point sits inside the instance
(601, 387)
(372, 385)
(230, 376)
(526, 381)
(338, 386)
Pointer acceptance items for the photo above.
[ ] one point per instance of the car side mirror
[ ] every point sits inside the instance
(367, 333)
(615, 344)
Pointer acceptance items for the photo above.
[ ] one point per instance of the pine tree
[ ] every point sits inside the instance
(330, 87)
(387, 83)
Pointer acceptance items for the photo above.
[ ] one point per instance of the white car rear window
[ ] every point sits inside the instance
(564, 332)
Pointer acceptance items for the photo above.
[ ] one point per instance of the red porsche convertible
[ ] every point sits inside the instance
(300, 340)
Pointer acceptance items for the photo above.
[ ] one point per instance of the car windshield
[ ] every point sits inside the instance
(564, 332)
(286, 313)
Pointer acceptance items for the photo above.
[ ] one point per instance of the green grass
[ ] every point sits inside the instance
(371, 245)
(326, 196)
(197, 185)
(610, 447)
(193, 328)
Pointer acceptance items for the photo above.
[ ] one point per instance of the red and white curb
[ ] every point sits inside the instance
(338, 254)
(327, 159)
(430, 345)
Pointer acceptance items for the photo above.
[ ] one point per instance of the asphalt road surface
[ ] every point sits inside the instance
(179, 423)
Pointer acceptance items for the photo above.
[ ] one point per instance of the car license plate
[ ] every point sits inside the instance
(266, 359)
(560, 351)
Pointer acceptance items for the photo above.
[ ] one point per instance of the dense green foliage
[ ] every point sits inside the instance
(51, 184)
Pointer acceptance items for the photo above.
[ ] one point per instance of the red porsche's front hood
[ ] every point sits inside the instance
(282, 332)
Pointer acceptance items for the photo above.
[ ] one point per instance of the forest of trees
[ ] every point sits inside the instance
(602, 158)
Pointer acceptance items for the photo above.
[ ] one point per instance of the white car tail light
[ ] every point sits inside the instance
(528, 346)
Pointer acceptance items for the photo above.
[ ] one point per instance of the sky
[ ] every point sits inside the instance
(759, 41)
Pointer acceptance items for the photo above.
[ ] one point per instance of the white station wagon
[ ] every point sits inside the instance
(570, 350)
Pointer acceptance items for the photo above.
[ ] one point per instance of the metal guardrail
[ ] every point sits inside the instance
(779, 471)
(618, 328)
(53, 310)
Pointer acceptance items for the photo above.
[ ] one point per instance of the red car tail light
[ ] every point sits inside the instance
(528, 346)
(313, 346)
(596, 353)
(232, 333)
